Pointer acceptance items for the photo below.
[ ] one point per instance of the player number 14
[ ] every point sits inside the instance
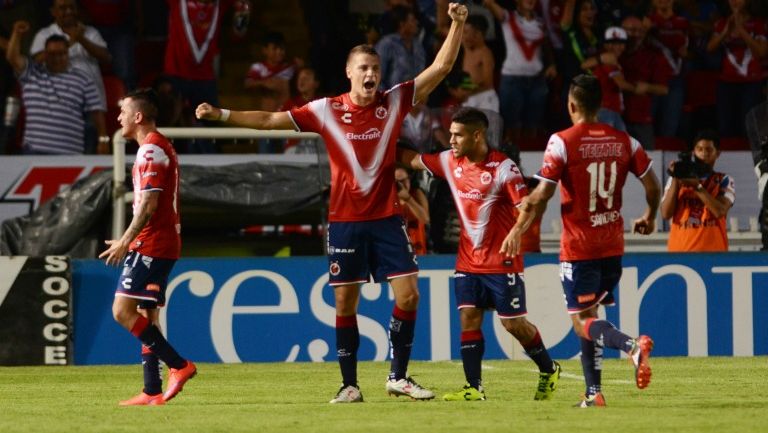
(597, 187)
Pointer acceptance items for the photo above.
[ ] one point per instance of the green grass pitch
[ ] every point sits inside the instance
(686, 395)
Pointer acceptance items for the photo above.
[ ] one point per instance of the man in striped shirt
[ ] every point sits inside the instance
(55, 98)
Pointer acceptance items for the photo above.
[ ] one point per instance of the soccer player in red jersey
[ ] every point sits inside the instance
(591, 162)
(366, 235)
(486, 187)
(150, 246)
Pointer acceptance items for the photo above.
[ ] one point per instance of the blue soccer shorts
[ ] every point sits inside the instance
(503, 292)
(361, 249)
(144, 278)
(587, 283)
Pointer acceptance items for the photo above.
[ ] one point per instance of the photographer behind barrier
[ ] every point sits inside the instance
(697, 198)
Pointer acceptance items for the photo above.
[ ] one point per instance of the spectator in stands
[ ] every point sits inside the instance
(270, 78)
(696, 201)
(701, 15)
(528, 64)
(580, 40)
(10, 12)
(642, 67)
(605, 66)
(415, 208)
(386, 23)
(194, 29)
(743, 40)
(116, 21)
(423, 130)
(669, 34)
(305, 91)
(479, 63)
(402, 56)
(87, 49)
(170, 104)
(460, 87)
(55, 97)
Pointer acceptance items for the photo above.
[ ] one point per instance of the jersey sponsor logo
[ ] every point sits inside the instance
(596, 132)
(519, 186)
(601, 150)
(334, 250)
(148, 174)
(334, 269)
(380, 112)
(473, 194)
(486, 178)
(492, 164)
(371, 134)
(339, 106)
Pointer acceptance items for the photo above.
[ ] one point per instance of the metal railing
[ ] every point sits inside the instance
(121, 195)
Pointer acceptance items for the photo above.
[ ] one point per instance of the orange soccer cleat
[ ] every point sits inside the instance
(177, 378)
(144, 399)
(640, 355)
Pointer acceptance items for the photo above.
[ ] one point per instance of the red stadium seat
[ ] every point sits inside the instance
(115, 90)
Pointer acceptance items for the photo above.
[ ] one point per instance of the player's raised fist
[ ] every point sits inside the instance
(458, 12)
(206, 111)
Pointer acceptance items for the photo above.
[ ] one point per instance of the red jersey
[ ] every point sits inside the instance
(739, 63)
(591, 162)
(644, 64)
(486, 196)
(262, 71)
(361, 150)
(672, 36)
(157, 169)
(193, 37)
(613, 99)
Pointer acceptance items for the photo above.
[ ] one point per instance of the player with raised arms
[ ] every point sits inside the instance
(366, 235)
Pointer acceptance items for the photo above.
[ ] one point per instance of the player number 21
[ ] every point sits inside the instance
(597, 187)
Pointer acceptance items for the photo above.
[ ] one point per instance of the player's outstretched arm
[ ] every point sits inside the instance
(410, 158)
(247, 119)
(118, 248)
(532, 206)
(429, 78)
(646, 224)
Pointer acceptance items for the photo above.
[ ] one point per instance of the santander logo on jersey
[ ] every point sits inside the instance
(371, 134)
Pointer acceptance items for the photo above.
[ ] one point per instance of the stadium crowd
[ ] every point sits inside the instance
(668, 69)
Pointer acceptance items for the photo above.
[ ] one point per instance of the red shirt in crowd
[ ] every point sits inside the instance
(194, 28)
